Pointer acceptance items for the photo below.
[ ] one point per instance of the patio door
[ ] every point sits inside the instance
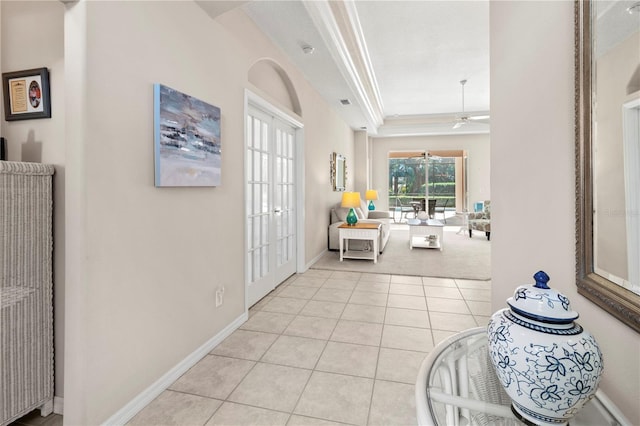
(270, 204)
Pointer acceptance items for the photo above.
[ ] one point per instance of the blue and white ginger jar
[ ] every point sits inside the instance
(548, 364)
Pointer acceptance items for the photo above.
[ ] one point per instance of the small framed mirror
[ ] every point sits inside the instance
(338, 172)
(607, 156)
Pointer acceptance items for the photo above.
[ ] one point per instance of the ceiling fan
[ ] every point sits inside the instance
(445, 123)
(465, 118)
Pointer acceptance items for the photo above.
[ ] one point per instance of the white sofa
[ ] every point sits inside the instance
(338, 217)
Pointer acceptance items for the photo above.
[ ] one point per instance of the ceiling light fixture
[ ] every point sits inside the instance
(308, 50)
(345, 101)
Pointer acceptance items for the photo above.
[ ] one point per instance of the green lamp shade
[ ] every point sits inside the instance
(352, 219)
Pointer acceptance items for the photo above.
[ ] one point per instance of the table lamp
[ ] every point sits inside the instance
(371, 195)
(351, 200)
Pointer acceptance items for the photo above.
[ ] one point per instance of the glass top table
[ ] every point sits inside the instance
(456, 385)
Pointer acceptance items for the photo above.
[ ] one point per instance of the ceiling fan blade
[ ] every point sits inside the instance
(479, 117)
(458, 124)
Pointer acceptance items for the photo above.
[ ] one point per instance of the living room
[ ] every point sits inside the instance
(135, 287)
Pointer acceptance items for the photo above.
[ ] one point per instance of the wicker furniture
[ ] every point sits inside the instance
(26, 327)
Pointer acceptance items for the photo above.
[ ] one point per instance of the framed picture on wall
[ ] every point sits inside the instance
(186, 139)
(26, 94)
(338, 172)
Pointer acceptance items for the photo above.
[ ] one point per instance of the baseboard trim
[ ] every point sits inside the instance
(315, 259)
(132, 408)
(58, 405)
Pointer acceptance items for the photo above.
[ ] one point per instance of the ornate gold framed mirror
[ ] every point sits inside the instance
(607, 108)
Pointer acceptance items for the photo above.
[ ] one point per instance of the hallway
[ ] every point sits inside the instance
(325, 347)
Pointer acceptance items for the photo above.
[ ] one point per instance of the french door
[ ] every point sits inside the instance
(270, 203)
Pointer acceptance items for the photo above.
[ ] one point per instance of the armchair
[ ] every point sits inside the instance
(481, 221)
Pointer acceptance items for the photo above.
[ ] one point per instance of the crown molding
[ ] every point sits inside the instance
(339, 27)
(367, 67)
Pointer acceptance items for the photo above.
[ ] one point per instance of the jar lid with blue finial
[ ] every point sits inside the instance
(538, 302)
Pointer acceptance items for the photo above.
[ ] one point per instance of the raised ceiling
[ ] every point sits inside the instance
(399, 63)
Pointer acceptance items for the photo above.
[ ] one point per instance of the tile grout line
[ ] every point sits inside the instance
(356, 279)
(312, 371)
(375, 374)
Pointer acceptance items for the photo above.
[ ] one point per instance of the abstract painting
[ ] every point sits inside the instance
(187, 140)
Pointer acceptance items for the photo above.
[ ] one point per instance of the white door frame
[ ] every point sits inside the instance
(251, 98)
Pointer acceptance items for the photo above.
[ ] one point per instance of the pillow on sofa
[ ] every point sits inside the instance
(365, 209)
(342, 213)
(360, 213)
(334, 216)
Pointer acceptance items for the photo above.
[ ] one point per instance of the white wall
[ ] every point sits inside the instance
(477, 147)
(137, 276)
(143, 262)
(41, 140)
(532, 176)
(324, 133)
(361, 172)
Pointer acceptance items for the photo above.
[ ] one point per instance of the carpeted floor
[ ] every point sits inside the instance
(462, 257)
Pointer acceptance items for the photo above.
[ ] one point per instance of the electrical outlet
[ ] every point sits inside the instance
(219, 296)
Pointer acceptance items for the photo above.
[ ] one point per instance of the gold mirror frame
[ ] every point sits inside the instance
(618, 301)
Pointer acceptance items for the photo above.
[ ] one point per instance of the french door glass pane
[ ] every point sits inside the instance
(256, 264)
(265, 137)
(256, 198)
(265, 261)
(265, 230)
(278, 142)
(278, 169)
(265, 167)
(256, 134)
(256, 233)
(265, 198)
(256, 166)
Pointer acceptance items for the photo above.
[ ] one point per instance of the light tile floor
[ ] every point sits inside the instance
(325, 348)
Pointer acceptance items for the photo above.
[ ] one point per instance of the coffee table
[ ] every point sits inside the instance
(419, 231)
(359, 231)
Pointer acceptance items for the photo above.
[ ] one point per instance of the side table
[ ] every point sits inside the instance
(359, 231)
(457, 385)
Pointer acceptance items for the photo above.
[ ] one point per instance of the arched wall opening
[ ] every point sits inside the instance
(270, 77)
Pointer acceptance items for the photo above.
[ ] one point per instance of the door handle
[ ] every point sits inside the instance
(277, 211)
